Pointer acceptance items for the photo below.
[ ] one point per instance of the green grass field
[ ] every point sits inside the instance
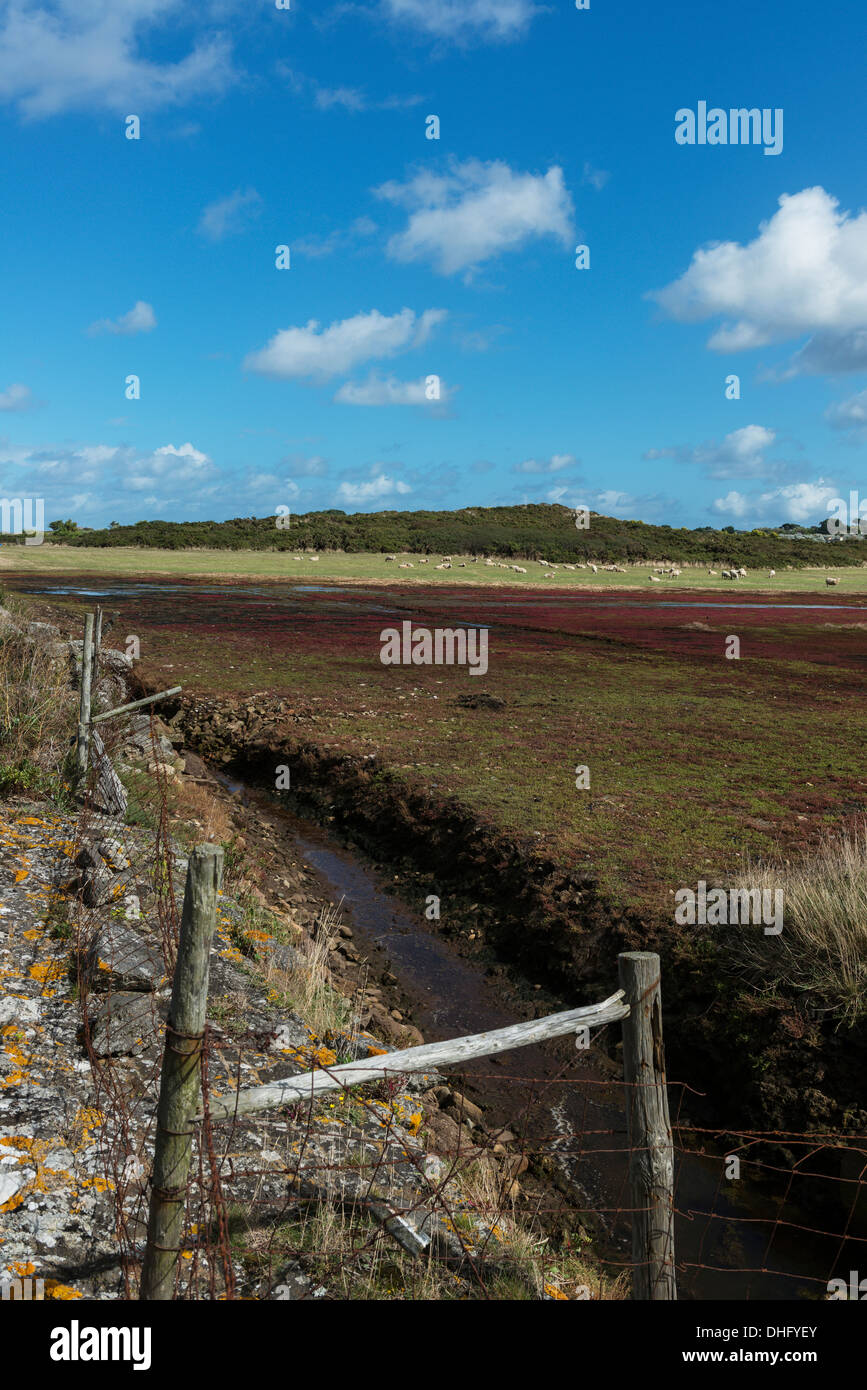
(335, 566)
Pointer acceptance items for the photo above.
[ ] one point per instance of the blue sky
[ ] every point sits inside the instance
(414, 258)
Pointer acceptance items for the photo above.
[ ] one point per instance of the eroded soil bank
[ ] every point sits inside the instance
(549, 940)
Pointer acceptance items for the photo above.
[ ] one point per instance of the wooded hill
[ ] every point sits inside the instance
(538, 531)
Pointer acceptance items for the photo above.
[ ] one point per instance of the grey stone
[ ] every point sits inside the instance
(126, 1023)
(112, 852)
(119, 958)
(18, 1011)
(95, 878)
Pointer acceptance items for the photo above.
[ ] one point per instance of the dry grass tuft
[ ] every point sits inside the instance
(822, 949)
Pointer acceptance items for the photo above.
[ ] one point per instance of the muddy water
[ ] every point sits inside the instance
(569, 1099)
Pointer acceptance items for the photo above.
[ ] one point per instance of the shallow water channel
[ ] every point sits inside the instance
(728, 1242)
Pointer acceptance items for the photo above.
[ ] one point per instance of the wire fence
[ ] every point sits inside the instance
(400, 1188)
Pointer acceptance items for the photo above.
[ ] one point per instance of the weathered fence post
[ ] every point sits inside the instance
(97, 643)
(181, 1075)
(651, 1152)
(82, 745)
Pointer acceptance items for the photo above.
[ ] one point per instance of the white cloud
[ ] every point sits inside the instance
(335, 241)
(378, 487)
(849, 415)
(740, 454)
(230, 215)
(378, 390)
(464, 20)
(84, 54)
(554, 464)
(597, 178)
(475, 212)
(193, 458)
(139, 319)
(805, 272)
(17, 396)
(806, 503)
(309, 352)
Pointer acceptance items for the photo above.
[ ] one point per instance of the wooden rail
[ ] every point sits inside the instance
(428, 1057)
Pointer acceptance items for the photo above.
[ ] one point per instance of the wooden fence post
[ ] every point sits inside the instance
(651, 1152)
(82, 746)
(97, 643)
(181, 1076)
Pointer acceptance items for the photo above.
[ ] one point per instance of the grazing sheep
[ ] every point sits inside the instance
(519, 569)
(594, 568)
(312, 557)
(771, 574)
(654, 579)
(442, 567)
(832, 581)
(422, 561)
(711, 571)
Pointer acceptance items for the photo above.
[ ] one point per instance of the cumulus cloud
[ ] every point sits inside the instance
(378, 390)
(740, 454)
(806, 503)
(319, 354)
(75, 56)
(17, 396)
(102, 477)
(230, 215)
(372, 491)
(139, 319)
(464, 21)
(477, 211)
(805, 272)
(555, 464)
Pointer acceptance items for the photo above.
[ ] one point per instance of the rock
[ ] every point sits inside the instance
(466, 1109)
(293, 1285)
(19, 1012)
(194, 767)
(42, 630)
(514, 1166)
(286, 957)
(119, 958)
(112, 853)
(162, 769)
(95, 877)
(291, 1033)
(12, 1180)
(126, 1023)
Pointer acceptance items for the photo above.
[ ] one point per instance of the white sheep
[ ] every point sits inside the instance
(655, 579)
(832, 581)
(771, 574)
